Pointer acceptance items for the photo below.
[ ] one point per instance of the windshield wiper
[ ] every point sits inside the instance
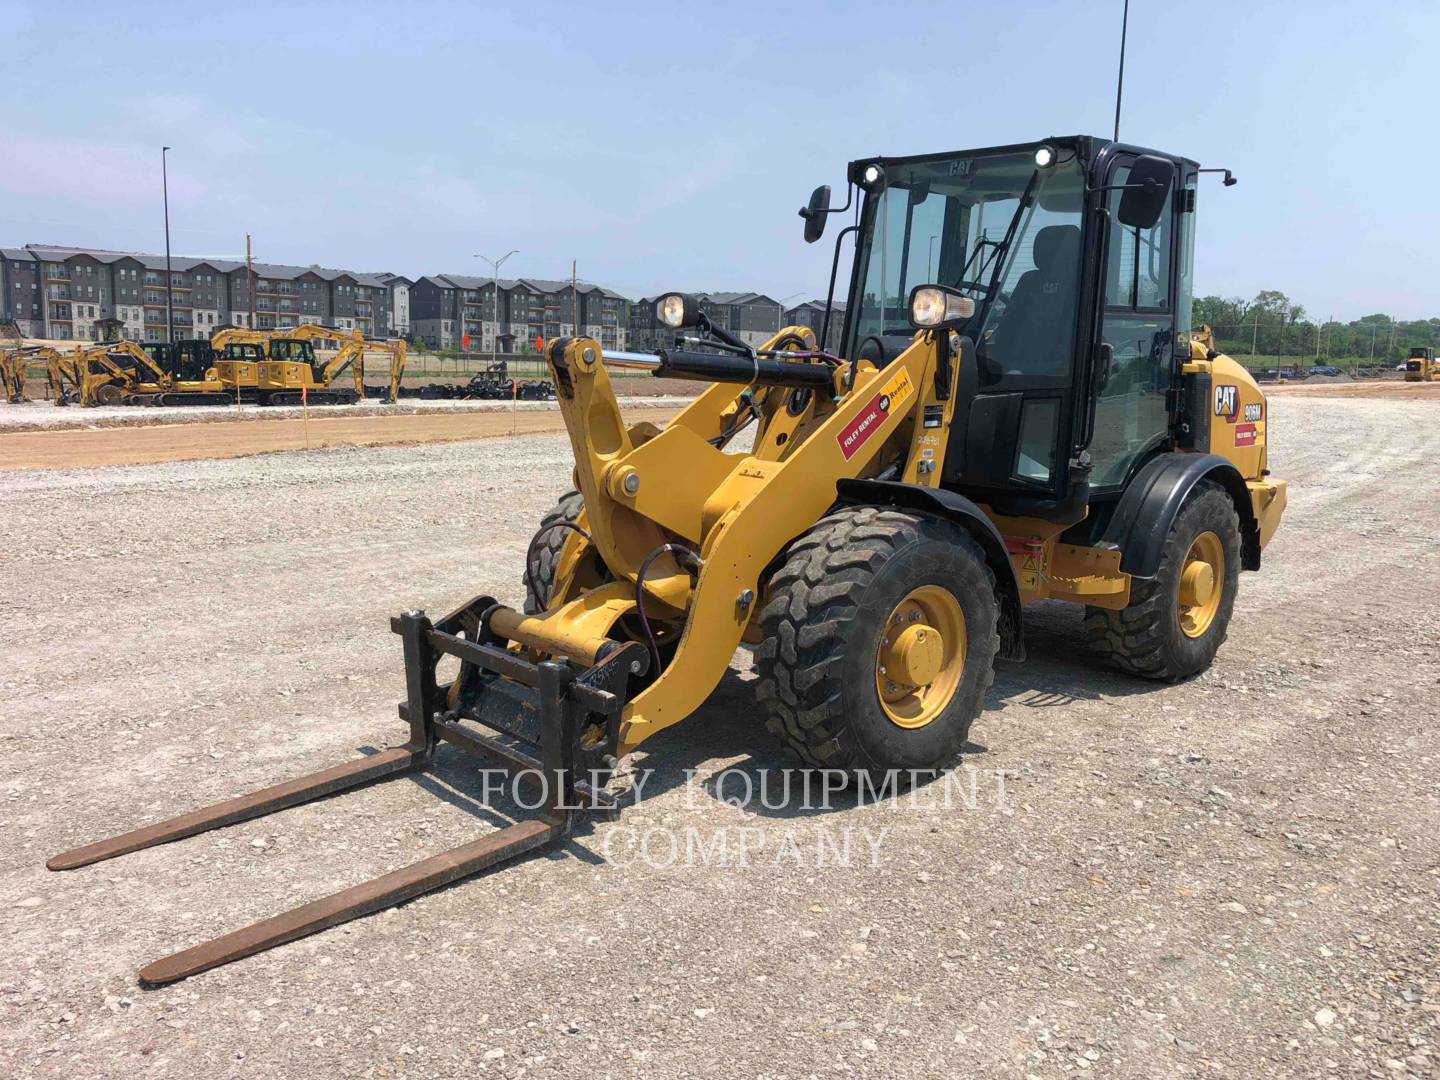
(1002, 252)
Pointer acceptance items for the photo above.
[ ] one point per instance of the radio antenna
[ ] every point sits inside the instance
(1120, 82)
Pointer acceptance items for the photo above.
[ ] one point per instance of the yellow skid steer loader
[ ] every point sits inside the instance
(1013, 413)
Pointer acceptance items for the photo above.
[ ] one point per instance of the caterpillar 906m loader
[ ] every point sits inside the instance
(1015, 411)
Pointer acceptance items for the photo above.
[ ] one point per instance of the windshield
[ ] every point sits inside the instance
(291, 349)
(996, 228)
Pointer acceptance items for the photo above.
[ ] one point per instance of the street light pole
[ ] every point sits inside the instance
(169, 281)
(495, 265)
(781, 302)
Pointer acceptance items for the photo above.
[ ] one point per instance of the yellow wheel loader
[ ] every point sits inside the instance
(1015, 412)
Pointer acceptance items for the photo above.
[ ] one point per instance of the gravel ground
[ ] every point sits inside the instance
(1234, 876)
(42, 416)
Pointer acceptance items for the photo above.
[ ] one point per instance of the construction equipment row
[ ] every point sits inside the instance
(267, 367)
(1018, 415)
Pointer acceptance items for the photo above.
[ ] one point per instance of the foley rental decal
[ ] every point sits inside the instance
(872, 417)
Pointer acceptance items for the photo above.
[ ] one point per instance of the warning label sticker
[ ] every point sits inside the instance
(1248, 434)
(894, 393)
(1030, 573)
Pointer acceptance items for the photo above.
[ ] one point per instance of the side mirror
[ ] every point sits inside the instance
(815, 212)
(1146, 190)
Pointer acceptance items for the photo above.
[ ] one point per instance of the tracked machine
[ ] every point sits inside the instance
(124, 373)
(1421, 365)
(1016, 412)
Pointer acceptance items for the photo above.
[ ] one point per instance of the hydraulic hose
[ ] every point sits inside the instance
(530, 552)
(686, 556)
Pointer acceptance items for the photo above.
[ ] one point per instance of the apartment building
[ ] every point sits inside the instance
(812, 314)
(65, 293)
(399, 288)
(459, 311)
(753, 317)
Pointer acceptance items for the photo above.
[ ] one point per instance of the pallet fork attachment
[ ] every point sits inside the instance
(571, 723)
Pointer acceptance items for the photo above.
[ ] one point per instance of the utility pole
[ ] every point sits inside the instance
(495, 265)
(1255, 334)
(169, 281)
(249, 283)
(930, 259)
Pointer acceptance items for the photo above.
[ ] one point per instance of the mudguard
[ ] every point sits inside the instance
(1141, 522)
(963, 512)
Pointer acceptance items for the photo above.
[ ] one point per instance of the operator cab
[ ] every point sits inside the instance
(186, 360)
(1073, 259)
(297, 351)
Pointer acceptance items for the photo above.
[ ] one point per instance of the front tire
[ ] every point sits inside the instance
(540, 581)
(847, 593)
(1177, 620)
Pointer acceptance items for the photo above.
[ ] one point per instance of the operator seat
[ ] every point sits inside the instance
(1034, 334)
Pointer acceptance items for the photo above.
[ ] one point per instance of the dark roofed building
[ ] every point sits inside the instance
(812, 314)
(451, 310)
(72, 290)
(752, 317)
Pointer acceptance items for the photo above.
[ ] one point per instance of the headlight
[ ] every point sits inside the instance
(1044, 157)
(934, 306)
(677, 311)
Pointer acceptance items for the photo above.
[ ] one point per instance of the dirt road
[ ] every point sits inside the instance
(96, 447)
(1236, 876)
(1386, 390)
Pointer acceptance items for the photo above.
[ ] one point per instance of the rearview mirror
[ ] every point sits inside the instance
(1146, 190)
(815, 213)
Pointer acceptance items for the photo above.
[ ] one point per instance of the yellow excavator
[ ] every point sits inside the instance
(1020, 415)
(277, 367)
(15, 367)
(123, 373)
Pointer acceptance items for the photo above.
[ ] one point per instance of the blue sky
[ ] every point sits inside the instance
(663, 149)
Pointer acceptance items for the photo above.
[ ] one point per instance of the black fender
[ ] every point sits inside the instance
(957, 508)
(1142, 519)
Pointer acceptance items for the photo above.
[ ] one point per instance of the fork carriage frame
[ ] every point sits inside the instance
(569, 731)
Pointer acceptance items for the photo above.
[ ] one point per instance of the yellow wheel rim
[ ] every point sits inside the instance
(1202, 583)
(921, 656)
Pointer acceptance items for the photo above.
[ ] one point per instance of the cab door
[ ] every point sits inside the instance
(1013, 406)
(1141, 294)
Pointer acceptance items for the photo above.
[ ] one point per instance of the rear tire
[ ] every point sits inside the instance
(830, 606)
(1158, 635)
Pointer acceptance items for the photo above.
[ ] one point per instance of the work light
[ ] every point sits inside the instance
(677, 311)
(933, 307)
